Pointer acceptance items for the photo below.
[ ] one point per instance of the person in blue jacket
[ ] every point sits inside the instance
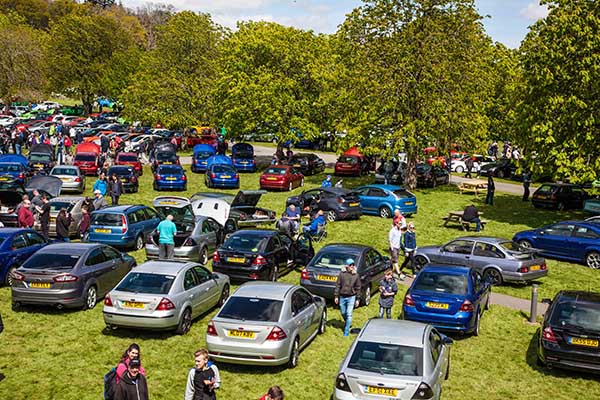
(101, 185)
(326, 182)
(313, 227)
(409, 245)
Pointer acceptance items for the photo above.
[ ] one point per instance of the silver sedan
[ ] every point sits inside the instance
(72, 178)
(266, 323)
(394, 359)
(164, 295)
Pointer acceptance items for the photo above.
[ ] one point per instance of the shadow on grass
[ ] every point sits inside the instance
(47, 310)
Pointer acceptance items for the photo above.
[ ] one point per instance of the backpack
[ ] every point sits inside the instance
(110, 384)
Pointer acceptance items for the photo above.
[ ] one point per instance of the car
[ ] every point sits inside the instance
(431, 175)
(16, 246)
(201, 153)
(242, 155)
(73, 180)
(497, 260)
(306, 163)
(320, 275)
(577, 241)
(561, 196)
(10, 196)
(503, 168)
(47, 105)
(124, 225)
(260, 254)
(222, 175)
(127, 175)
(135, 144)
(450, 298)
(69, 275)
(459, 166)
(41, 158)
(170, 177)
(7, 120)
(197, 237)
(265, 323)
(592, 206)
(336, 203)
(164, 158)
(570, 333)
(73, 205)
(393, 359)
(398, 168)
(13, 172)
(163, 295)
(351, 165)
(86, 158)
(131, 159)
(383, 200)
(281, 177)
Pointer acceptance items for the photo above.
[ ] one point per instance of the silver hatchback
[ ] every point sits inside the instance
(394, 359)
(71, 176)
(266, 323)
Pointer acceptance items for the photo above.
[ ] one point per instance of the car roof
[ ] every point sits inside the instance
(264, 290)
(120, 208)
(447, 269)
(66, 198)
(579, 295)
(71, 248)
(590, 224)
(488, 239)
(255, 232)
(335, 190)
(346, 247)
(6, 232)
(559, 184)
(393, 331)
(390, 188)
(163, 267)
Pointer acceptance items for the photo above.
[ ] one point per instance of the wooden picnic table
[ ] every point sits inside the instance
(473, 186)
(456, 217)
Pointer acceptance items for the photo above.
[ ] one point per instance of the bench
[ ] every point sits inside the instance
(467, 188)
(466, 225)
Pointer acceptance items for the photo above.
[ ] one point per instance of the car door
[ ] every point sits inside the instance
(554, 239)
(95, 267)
(35, 241)
(192, 292)
(279, 251)
(457, 252)
(485, 254)
(376, 197)
(207, 287)
(577, 197)
(583, 239)
(439, 358)
(20, 250)
(119, 268)
(209, 235)
(375, 268)
(480, 293)
(302, 315)
(301, 249)
(152, 218)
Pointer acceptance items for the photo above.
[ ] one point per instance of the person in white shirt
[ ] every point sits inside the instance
(395, 241)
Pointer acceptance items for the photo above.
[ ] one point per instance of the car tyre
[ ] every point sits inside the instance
(477, 325)
(366, 300)
(203, 256)
(8, 279)
(91, 297)
(302, 182)
(224, 296)
(294, 354)
(385, 212)
(494, 276)
(433, 183)
(290, 187)
(459, 169)
(273, 276)
(331, 216)
(323, 323)
(16, 306)
(500, 174)
(525, 244)
(421, 262)
(592, 260)
(185, 323)
(139, 242)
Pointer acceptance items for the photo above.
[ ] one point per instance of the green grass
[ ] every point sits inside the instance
(50, 354)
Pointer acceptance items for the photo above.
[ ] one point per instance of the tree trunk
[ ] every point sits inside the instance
(410, 175)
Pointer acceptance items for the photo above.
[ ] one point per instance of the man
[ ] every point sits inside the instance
(166, 239)
(36, 201)
(115, 188)
(469, 164)
(45, 216)
(399, 219)
(202, 380)
(25, 216)
(388, 171)
(326, 182)
(491, 188)
(347, 287)
(292, 215)
(132, 385)
(470, 214)
(101, 184)
(526, 184)
(313, 228)
(99, 201)
(395, 241)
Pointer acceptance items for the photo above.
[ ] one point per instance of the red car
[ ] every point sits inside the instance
(282, 177)
(130, 159)
(353, 163)
(86, 158)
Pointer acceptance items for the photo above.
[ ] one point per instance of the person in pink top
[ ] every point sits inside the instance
(133, 351)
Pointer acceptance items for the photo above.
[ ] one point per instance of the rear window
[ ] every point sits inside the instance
(223, 168)
(570, 314)
(423, 168)
(170, 170)
(55, 206)
(275, 171)
(106, 219)
(403, 194)
(387, 359)
(120, 170)
(85, 157)
(166, 157)
(348, 160)
(441, 283)
(10, 168)
(64, 171)
(138, 282)
(245, 243)
(332, 260)
(252, 309)
(128, 158)
(202, 155)
(51, 261)
(39, 157)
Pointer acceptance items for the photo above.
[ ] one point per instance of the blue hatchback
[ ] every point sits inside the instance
(123, 226)
(13, 172)
(383, 200)
(16, 245)
(223, 176)
(202, 152)
(242, 155)
(447, 297)
(170, 177)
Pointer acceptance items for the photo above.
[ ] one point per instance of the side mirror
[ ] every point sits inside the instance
(547, 301)
(541, 233)
(215, 276)
(447, 341)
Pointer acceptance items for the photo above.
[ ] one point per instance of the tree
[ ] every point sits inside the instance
(35, 12)
(558, 116)
(151, 16)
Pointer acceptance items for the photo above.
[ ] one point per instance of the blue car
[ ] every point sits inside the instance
(202, 152)
(577, 241)
(13, 172)
(242, 155)
(448, 297)
(170, 177)
(16, 245)
(126, 226)
(223, 176)
(383, 200)
(218, 159)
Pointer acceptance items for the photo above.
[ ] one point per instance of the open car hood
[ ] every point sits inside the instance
(47, 183)
(217, 209)
(248, 198)
(14, 158)
(10, 197)
(218, 159)
(41, 148)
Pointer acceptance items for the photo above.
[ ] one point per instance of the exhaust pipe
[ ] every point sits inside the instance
(60, 306)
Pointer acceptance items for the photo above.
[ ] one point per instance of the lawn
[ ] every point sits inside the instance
(49, 354)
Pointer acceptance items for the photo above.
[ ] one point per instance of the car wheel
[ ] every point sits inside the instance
(487, 303)
(290, 187)
(561, 206)
(139, 242)
(185, 323)
(385, 212)
(8, 280)
(459, 169)
(294, 354)
(224, 296)
(367, 296)
(494, 276)
(273, 277)
(477, 325)
(525, 244)
(16, 306)
(331, 216)
(155, 187)
(323, 323)
(420, 261)
(500, 174)
(592, 260)
(447, 370)
(203, 256)
(90, 299)
(433, 183)
(302, 182)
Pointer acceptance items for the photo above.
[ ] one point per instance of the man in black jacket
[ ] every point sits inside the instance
(133, 385)
(347, 287)
(470, 214)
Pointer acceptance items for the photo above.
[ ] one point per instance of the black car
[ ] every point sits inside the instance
(336, 203)
(320, 275)
(398, 168)
(502, 169)
(307, 163)
(10, 197)
(570, 333)
(41, 158)
(164, 158)
(561, 196)
(260, 254)
(128, 177)
(431, 175)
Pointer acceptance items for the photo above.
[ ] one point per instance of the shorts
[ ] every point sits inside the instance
(394, 255)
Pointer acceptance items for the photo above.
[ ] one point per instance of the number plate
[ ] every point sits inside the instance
(243, 162)
(38, 165)
(235, 259)
(170, 178)
(3, 178)
(242, 334)
(65, 179)
(167, 163)
(534, 268)
(133, 304)
(327, 278)
(409, 203)
(353, 204)
(382, 391)
(102, 230)
(225, 176)
(583, 342)
(270, 178)
(439, 306)
(39, 285)
(124, 180)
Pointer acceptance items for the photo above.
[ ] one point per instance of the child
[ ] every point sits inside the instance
(388, 288)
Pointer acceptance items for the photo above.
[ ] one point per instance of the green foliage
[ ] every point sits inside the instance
(35, 12)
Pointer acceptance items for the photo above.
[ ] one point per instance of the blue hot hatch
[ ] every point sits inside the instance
(242, 155)
(383, 200)
(170, 177)
(223, 176)
(13, 172)
(16, 245)
(202, 152)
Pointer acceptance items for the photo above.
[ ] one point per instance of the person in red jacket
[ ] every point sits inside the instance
(275, 393)
(25, 217)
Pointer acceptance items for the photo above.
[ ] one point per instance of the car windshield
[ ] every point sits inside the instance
(9, 168)
(250, 243)
(201, 155)
(547, 189)
(106, 219)
(275, 171)
(51, 261)
(403, 194)
(387, 359)
(331, 260)
(120, 171)
(578, 315)
(64, 171)
(44, 157)
(223, 168)
(55, 206)
(170, 170)
(423, 168)
(348, 160)
(138, 282)
(437, 282)
(85, 157)
(251, 309)
(128, 158)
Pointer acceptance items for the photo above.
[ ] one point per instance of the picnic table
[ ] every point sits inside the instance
(456, 217)
(473, 186)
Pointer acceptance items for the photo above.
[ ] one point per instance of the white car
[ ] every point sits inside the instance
(6, 120)
(47, 105)
(458, 165)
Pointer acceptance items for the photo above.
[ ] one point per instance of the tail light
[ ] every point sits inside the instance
(124, 223)
(304, 275)
(216, 257)
(423, 392)
(543, 266)
(408, 300)
(276, 334)
(17, 276)
(341, 383)
(523, 270)
(260, 260)
(65, 278)
(178, 161)
(211, 330)
(548, 335)
(78, 179)
(108, 301)
(133, 179)
(340, 200)
(236, 176)
(184, 178)
(467, 306)
(165, 305)
(189, 242)
(21, 176)
(213, 175)
(156, 177)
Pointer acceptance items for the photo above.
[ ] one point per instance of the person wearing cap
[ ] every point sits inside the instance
(347, 287)
(99, 201)
(166, 238)
(101, 184)
(132, 385)
(409, 246)
(326, 182)
(25, 216)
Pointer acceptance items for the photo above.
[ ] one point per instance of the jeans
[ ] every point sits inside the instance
(489, 198)
(388, 312)
(409, 258)
(477, 223)
(346, 308)
(165, 251)
(17, 148)
(115, 199)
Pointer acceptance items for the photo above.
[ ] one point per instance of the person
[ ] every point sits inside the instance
(399, 218)
(104, 143)
(491, 187)
(388, 288)
(201, 379)
(116, 189)
(36, 201)
(326, 182)
(133, 352)
(63, 221)
(526, 184)
(292, 215)
(347, 287)
(313, 228)
(469, 164)
(388, 171)
(339, 184)
(24, 198)
(132, 385)
(275, 160)
(84, 224)
(470, 214)
(99, 201)
(101, 184)
(395, 241)
(289, 154)
(274, 393)
(44, 212)
(166, 242)
(409, 246)
(25, 216)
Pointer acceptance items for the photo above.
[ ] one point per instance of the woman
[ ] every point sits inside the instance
(63, 221)
(133, 351)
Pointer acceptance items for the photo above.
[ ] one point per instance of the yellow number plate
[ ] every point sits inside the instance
(225, 176)
(124, 180)
(327, 278)
(534, 268)
(353, 204)
(167, 163)
(235, 259)
(382, 391)
(409, 203)
(39, 285)
(243, 162)
(3, 178)
(102, 230)
(440, 306)
(270, 178)
(583, 342)
(132, 304)
(38, 165)
(167, 203)
(170, 178)
(242, 334)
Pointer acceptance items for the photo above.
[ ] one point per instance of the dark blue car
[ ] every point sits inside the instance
(447, 297)
(242, 155)
(383, 200)
(202, 152)
(577, 241)
(170, 177)
(16, 245)
(223, 176)
(13, 172)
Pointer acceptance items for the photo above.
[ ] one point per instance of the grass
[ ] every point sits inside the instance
(50, 354)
